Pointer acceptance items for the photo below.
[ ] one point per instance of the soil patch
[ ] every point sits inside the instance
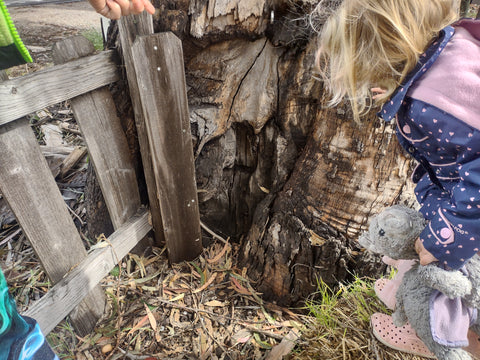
(41, 26)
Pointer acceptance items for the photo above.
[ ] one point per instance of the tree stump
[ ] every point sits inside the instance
(293, 182)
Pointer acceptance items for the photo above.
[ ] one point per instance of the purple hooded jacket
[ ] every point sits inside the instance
(437, 110)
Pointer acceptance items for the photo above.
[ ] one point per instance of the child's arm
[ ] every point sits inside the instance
(115, 9)
(453, 233)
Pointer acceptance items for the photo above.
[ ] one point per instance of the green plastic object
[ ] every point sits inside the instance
(12, 50)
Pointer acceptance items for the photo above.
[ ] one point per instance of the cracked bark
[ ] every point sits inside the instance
(292, 182)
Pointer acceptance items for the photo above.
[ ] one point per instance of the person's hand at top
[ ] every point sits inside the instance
(115, 9)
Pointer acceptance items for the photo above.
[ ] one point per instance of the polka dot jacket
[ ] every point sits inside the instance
(437, 113)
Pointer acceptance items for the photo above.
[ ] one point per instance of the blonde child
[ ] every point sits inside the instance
(420, 66)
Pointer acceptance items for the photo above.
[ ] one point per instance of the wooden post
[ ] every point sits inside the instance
(129, 28)
(96, 115)
(29, 188)
(158, 62)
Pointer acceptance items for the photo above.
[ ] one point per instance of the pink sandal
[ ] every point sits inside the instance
(398, 338)
(406, 340)
(389, 261)
(385, 291)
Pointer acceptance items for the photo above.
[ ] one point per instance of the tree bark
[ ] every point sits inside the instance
(308, 231)
(464, 7)
(293, 182)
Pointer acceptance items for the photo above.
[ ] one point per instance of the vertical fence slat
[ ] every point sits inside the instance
(96, 115)
(29, 188)
(129, 28)
(158, 61)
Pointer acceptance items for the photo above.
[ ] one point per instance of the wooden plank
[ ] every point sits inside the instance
(102, 130)
(158, 61)
(129, 27)
(24, 95)
(30, 190)
(67, 293)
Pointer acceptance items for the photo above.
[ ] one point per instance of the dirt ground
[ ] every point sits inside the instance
(77, 15)
(40, 26)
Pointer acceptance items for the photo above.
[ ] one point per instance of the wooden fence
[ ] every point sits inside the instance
(154, 67)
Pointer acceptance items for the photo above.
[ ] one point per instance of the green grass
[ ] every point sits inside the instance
(338, 324)
(95, 37)
(358, 297)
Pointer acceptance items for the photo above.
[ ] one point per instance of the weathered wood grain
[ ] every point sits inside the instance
(29, 188)
(29, 93)
(96, 115)
(215, 16)
(129, 28)
(158, 62)
(66, 294)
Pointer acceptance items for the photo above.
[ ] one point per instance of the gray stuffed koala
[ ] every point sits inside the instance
(393, 233)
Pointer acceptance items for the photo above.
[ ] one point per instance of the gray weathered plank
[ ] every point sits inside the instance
(129, 28)
(158, 61)
(96, 115)
(66, 294)
(29, 188)
(29, 93)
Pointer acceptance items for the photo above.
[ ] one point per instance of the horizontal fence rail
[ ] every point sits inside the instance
(24, 95)
(69, 292)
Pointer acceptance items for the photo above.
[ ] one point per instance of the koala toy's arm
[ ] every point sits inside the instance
(451, 283)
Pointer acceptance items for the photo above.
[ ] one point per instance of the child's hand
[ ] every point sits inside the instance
(115, 9)
(377, 92)
(425, 256)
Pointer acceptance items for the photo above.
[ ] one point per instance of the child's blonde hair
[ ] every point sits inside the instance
(376, 43)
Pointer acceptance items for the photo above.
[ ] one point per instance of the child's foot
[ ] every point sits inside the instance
(389, 261)
(406, 340)
(385, 291)
(399, 338)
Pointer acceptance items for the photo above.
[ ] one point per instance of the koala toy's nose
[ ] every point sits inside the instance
(364, 241)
